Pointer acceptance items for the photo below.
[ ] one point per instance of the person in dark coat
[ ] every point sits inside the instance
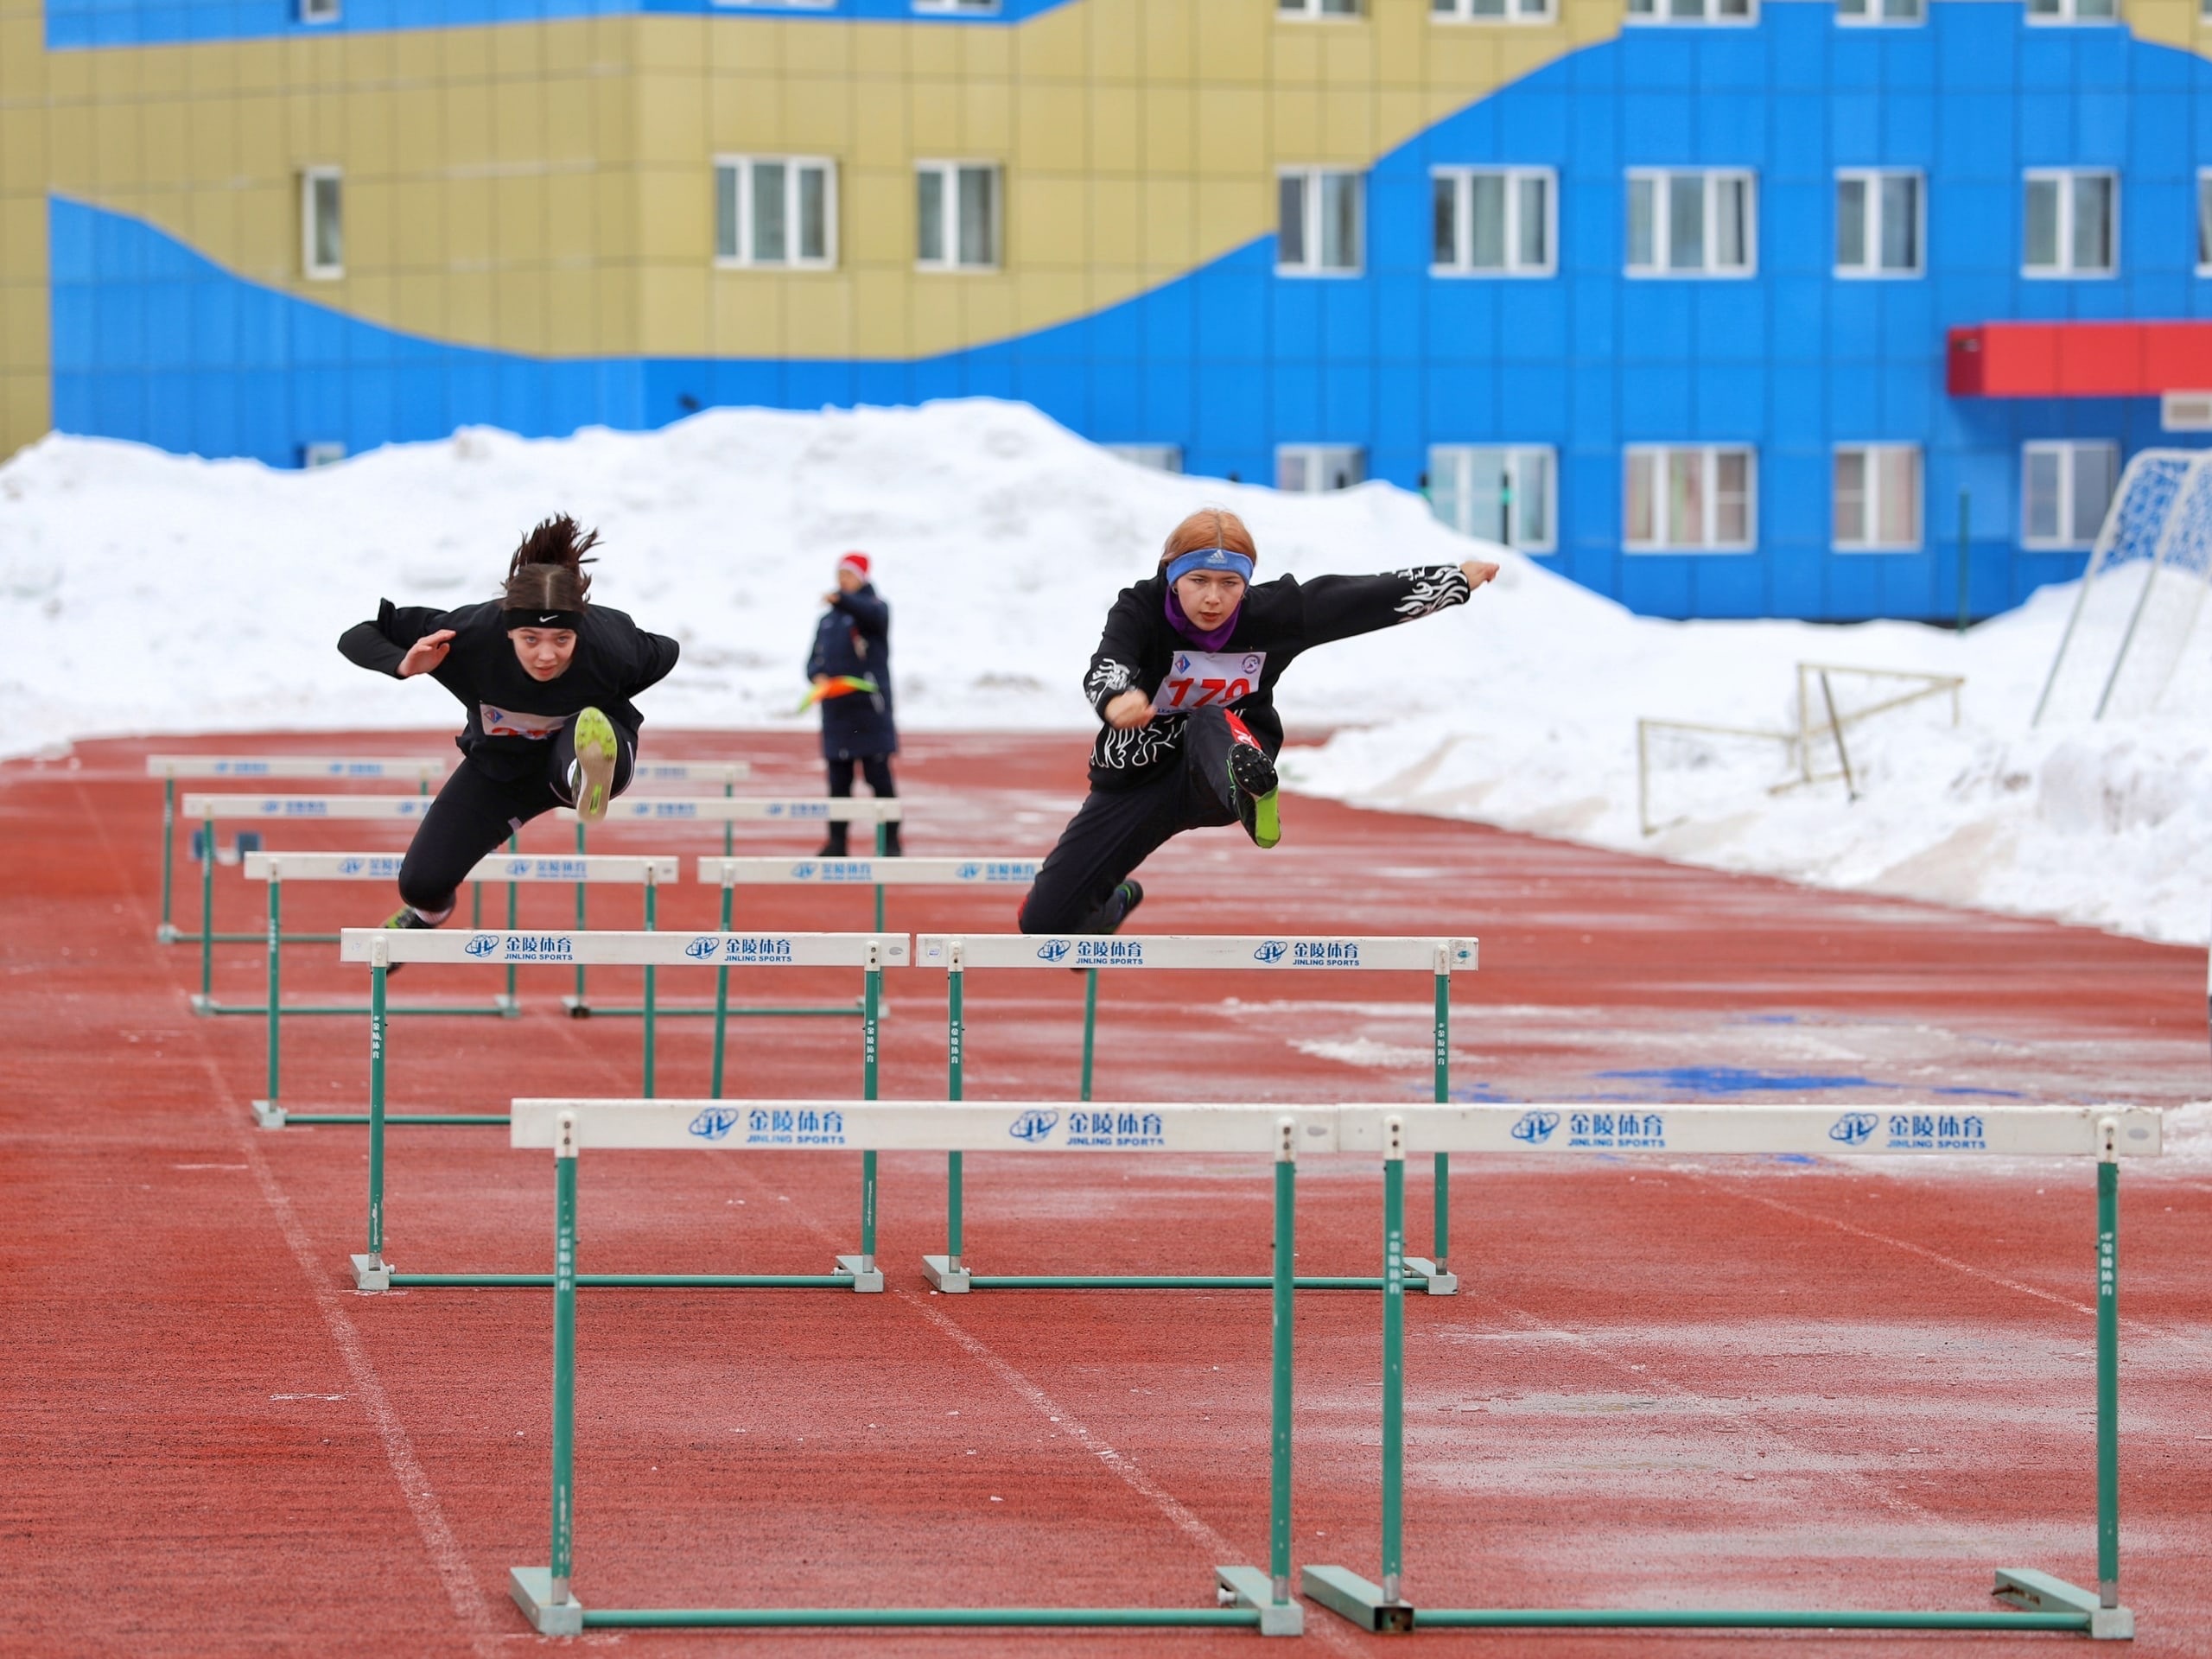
(850, 667)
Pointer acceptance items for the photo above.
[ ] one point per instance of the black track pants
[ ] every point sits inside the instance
(474, 815)
(876, 768)
(1117, 829)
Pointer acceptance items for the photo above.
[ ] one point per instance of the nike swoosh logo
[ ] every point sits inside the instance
(549, 618)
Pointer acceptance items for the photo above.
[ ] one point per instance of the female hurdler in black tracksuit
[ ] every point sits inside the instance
(547, 679)
(1184, 678)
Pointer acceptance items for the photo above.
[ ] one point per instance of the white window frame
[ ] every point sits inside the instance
(2204, 215)
(1460, 457)
(2065, 449)
(949, 239)
(925, 7)
(1661, 242)
(319, 14)
(2065, 270)
(1310, 228)
(1153, 457)
(1506, 11)
(1709, 455)
(1462, 179)
(743, 257)
(1870, 233)
(1871, 513)
(1320, 459)
(2066, 13)
(1875, 14)
(1659, 14)
(313, 268)
(320, 452)
(1311, 11)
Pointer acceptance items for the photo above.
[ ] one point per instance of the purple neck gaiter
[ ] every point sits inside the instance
(1190, 631)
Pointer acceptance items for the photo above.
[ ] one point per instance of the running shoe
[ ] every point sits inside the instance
(405, 918)
(594, 776)
(1132, 895)
(1253, 776)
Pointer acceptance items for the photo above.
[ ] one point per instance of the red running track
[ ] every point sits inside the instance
(1671, 1382)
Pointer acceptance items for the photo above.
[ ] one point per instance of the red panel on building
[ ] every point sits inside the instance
(2079, 360)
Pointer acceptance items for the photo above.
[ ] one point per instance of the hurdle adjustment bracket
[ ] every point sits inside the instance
(2040, 1592)
(1248, 1587)
(953, 1281)
(1344, 1592)
(865, 1277)
(371, 1272)
(578, 1008)
(1435, 1283)
(268, 1114)
(532, 1589)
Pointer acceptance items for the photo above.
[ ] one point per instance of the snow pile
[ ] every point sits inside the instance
(142, 591)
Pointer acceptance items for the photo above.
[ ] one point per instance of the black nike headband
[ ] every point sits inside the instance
(572, 620)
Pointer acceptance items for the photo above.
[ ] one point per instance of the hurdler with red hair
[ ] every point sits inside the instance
(1183, 682)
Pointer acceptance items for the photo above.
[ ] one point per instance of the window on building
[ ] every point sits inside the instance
(1156, 457)
(325, 452)
(1876, 498)
(1492, 221)
(957, 212)
(319, 12)
(1489, 11)
(2204, 219)
(2073, 11)
(2071, 225)
(1316, 468)
(323, 229)
(1317, 8)
(1860, 13)
(964, 8)
(1693, 11)
(1690, 499)
(1501, 493)
(1878, 224)
(2065, 486)
(1317, 228)
(1692, 222)
(776, 210)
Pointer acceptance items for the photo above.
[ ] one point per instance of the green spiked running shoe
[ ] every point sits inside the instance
(594, 776)
(1257, 807)
(405, 918)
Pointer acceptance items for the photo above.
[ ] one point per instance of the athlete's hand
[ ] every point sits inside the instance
(426, 653)
(1131, 708)
(1478, 571)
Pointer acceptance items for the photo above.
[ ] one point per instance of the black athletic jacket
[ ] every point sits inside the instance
(510, 714)
(1278, 619)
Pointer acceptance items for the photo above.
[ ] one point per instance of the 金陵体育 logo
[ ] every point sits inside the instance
(715, 1123)
(1033, 1126)
(1534, 1128)
(703, 949)
(1854, 1128)
(482, 944)
(1271, 951)
(1052, 950)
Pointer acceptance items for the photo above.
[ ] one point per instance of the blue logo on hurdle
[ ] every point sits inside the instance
(1052, 950)
(1536, 1128)
(703, 949)
(1271, 951)
(802, 871)
(714, 1124)
(482, 944)
(1033, 1126)
(969, 871)
(1854, 1128)
(349, 866)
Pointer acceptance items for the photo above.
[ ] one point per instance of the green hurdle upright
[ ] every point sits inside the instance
(729, 811)
(2046, 1603)
(1120, 953)
(381, 948)
(237, 767)
(1245, 1597)
(280, 868)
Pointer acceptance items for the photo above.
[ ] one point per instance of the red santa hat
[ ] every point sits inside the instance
(855, 563)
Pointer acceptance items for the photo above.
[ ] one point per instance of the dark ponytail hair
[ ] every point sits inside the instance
(546, 573)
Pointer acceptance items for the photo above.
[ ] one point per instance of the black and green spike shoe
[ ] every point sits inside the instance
(1257, 798)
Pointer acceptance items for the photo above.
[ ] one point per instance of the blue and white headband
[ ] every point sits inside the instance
(1222, 560)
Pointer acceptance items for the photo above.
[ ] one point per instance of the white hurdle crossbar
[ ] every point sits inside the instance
(513, 868)
(1248, 1596)
(1294, 954)
(383, 948)
(876, 873)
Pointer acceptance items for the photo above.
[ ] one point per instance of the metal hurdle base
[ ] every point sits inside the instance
(370, 1271)
(2039, 1593)
(1344, 1592)
(532, 1589)
(950, 1278)
(1248, 1587)
(867, 1276)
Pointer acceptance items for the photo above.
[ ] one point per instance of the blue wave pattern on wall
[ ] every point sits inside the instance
(78, 23)
(1230, 359)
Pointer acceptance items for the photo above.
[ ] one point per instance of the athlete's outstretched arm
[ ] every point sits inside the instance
(384, 646)
(1113, 671)
(1338, 607)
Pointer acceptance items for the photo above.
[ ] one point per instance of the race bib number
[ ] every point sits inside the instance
(1202, 679)
(512, 723)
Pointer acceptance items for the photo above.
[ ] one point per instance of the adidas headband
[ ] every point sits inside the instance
(1226, 561)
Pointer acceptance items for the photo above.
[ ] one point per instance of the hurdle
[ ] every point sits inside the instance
(278, 869)
(380, 948)
(958, 953)
(2103, 1132)
(170, 767)
(879, 872)
(1249, 1596)
(729, 811)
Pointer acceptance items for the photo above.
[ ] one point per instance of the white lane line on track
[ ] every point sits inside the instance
(444, 1549)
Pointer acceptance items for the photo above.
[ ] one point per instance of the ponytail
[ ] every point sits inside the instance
(546, 575)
